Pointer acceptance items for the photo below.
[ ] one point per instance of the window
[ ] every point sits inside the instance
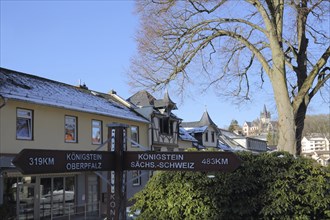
(212, 137)
(24, 124)
(136, 177)
(166, 125)
(134, 135)
(70, 129)
(96, 132)
(206, 136)
(57, 192)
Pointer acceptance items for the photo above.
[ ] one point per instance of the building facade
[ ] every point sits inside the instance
(233, 142)
(164, 126)
(205, 131)
(317, 147)
(37, 113)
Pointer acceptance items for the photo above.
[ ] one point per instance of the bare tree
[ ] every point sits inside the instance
(232, 45)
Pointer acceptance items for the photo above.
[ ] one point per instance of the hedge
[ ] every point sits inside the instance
(266, 186)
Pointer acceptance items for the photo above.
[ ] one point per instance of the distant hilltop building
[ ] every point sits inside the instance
(263, 127)
(265, 116)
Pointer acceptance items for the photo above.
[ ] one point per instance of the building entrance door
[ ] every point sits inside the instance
(26, 201)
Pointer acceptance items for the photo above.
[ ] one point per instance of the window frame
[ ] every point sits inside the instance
(166, 125)
(30, 126)
(137, 175)
(206, 136)
(75, 140)
(100, 127)
(137, 135)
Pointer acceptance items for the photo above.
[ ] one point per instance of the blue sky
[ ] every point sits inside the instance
(92, 42)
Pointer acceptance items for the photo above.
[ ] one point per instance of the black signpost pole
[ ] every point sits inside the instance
(116, 204)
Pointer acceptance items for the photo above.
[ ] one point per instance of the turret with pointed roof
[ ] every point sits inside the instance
(204, 121)
(166, 103)
(204, 130)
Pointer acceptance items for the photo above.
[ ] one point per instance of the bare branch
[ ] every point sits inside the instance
(322, 79)
(310, 79)
(201, 8)
(316, 32)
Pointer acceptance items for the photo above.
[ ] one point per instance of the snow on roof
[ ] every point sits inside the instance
(224, 147)
(185, 136)
(232, 148)
(30, 88)
(199, 146)
(230, 134)
(194, 130)
(228, 144)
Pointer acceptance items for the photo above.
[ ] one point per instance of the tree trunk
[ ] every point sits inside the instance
(300, 122)
(286, 120)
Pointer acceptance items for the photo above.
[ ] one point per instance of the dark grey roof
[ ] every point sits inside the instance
(142, 98)
(248, 123)
(161, 106)
(30, 88)
(166, 102)
(204, 121)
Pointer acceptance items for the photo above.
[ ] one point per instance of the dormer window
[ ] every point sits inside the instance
(166, 126)
(212, 137)
(206, 136)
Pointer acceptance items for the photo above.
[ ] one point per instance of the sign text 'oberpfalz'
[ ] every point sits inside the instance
(34, 161)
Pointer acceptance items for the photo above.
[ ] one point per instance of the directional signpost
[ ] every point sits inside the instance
(116, 160)
(179, 161)
(35, 161)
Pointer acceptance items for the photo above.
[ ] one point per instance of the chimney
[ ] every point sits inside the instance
(112, 92)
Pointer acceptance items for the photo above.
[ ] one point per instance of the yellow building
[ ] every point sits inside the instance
(37, 113)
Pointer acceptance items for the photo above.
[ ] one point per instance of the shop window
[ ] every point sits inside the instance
(136, 176)
(96, 132)
(24, 124)
(71, 129)
(57, 196)
(135, 135)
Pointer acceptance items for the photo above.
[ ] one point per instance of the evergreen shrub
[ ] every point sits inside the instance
(266, 186)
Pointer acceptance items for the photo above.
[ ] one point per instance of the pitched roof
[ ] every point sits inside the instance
(160, 106)
(248, 123)
(194, 130)
(165, 102)
(25, 87)
(142, 98)
(204, 121)
(185, 136)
